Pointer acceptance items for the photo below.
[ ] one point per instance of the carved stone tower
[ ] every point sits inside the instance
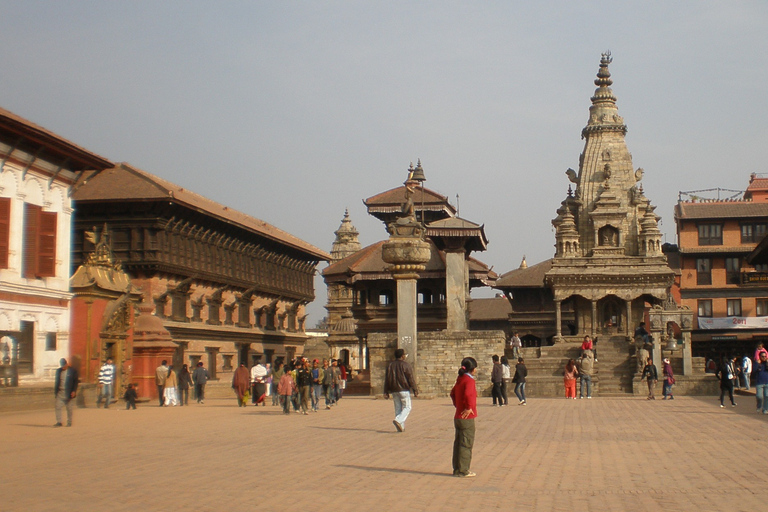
(608, 260)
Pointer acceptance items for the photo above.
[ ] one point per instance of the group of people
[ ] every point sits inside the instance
(172, 388)
(651, 376)
(501, 374)
(737, 372)
(297, 384)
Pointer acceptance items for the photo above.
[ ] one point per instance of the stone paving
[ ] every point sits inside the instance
(554, 454)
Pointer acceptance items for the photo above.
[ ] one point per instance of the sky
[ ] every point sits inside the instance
(293, 112)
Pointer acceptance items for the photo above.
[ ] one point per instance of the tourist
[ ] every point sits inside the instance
(464, 398)
(497, 377)
(569, 379)
(65, 390)
(161, 374)
(585, 373)
(285, 389)
(640, 332)
(761, 384)
(515, 344)
(343, 374)
(587, 344)
(258, 384)
(317, 384)
(651, 374)
(241, 384)
(521, 372)
(669, 380)
(759, 349)
(746, 370)
(130, 397)
(277, 374)
(170, 389)
(304, 383)
(185, 382)
(200, 378)
(335, 382)
(399, 382)
(726, 374)
(505, 378)
(268, 383)
(106, 383)
(327, 384)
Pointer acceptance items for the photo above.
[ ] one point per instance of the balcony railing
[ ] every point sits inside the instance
(754, 278)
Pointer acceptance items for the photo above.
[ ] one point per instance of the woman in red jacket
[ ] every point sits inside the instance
(464, 397)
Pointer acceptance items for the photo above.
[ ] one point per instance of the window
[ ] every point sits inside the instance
(386, 298)
(753, 233)
(5, 230)
(761, 267)
(734, 307)
(732, 270)
(50, 341)
(703, 271)
(710, 234)
(705, 308)
(761, 307)
(39, 243)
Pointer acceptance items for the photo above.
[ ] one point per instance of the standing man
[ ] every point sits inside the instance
(515, 344)
(106, 383)
(65, 390)
(258, 384)
(585, 375)
(200, 377)
(746, 370)
(497, 377)
(161, 374)
(327, 384)
(399, 382)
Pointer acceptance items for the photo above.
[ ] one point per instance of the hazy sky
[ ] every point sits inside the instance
(293, 111)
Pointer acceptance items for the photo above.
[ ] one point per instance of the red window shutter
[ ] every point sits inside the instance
(46, 247)
(5, 230)
(29, 257)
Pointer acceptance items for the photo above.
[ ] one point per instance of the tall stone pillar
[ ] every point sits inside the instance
(629, 330)
(455, 290)
(558, 321)
(594, 318)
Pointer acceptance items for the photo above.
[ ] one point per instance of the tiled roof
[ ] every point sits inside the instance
(530, 277)
(758, 184)
(127, 183)
(394, 198)
(497, 308)
(720, 210)
(18, 128)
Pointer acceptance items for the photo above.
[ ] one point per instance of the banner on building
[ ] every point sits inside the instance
(734, 322)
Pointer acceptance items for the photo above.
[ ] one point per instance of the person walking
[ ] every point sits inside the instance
(327, 384)
(464, 398)
(497, 377)
(65, 390)
(585, 373)
(669, 380)
(399, 382)
(258, 384)
(515, 344)
(171, 398)
(161, 374)
(761, 383)
(317, 384)
(569, 379)
(746, 371)
(130, 397)
(106, 383)
(200, 378)
(651, 374)
(185, 382)
(521, 372)
(726, 374)
(241, 381)
(304, 382)
(505, 378)
(277, 374)
(285, 389)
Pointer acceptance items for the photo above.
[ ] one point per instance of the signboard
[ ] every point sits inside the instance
(734, 322)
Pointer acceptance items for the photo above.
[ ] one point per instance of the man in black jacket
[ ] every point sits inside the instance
(399, 382)
(65, 390)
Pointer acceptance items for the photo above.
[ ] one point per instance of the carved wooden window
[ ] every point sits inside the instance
(703, 271)
(705, 308)
(39, 245)
(733, 307)
(386, 298)
(5, 230)
(710, 234)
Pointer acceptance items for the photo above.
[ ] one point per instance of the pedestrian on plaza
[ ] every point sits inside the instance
(651, 374)
(497, 377)
(746, 371)
(258, 384)
(171, 398)
(761, 383)
(464, 398)
(185, 382)
(200, 378)
(505, 378)
(285, 389)
(106, 383)
(726, 374)
(569, 379)
(241, 383)
(759, 349)
(521, 372)
(515, 344)
(399, 381)
(327, 384)
(343, 375)
(585, 373)
(304, 383)
(268, 383)
(65, 390)
(277, 374)
(161, 375)
(335, 382)
(130, 397)
(317, 384)
(295, 376)
(669, 380)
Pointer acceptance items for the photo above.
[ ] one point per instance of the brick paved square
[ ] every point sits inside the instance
(554, 454)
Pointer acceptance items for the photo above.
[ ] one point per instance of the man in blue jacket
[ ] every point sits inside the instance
(65, 389)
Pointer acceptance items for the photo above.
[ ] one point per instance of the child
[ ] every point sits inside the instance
(130, 397)
(285, 389)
